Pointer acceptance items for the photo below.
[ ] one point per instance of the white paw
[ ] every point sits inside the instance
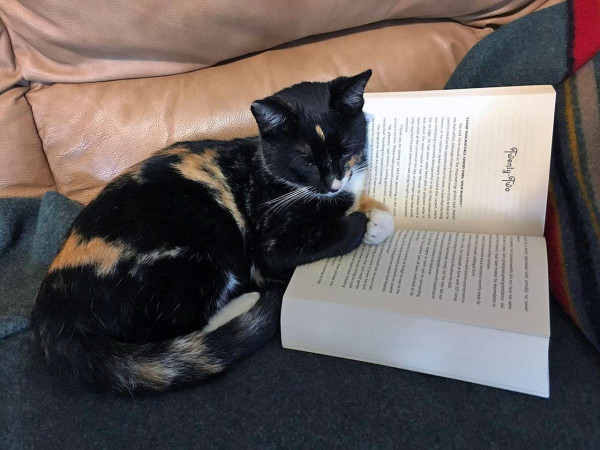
(379, 226)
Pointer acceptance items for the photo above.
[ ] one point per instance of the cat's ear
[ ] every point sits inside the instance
(347, 92)
(269, 114)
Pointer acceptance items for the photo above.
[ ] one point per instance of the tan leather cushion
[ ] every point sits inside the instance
(91, 40)
(92, 132)
(9, 72)
(24, 170)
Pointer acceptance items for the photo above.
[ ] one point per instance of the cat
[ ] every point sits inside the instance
(178, 267)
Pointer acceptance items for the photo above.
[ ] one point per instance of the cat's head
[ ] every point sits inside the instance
(314, 134)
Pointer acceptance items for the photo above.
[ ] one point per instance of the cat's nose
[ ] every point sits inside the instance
(335, 186)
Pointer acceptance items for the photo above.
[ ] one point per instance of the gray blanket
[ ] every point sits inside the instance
(31, 231)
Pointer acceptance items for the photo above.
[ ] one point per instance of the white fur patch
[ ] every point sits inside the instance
(149, 258)
(155, 255)
(231, 310)
(356, 183)
(379, 226)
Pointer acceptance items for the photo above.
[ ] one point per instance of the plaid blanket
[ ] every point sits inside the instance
(559, 46)
(573, 219)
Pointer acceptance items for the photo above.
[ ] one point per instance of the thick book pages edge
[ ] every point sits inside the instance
(481, 355)
(542, 89)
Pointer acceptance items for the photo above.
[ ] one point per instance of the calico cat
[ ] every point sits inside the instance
(178, 267)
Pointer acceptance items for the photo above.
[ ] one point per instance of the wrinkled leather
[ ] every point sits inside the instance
(92, 132)
(24, 170)
(9, 72)
(501, 14)
(92, 40)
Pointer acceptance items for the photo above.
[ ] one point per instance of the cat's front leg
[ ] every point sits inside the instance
(323, 241)
(381, 221)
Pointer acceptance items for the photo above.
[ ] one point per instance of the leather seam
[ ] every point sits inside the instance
(14, 57)
(37, 131)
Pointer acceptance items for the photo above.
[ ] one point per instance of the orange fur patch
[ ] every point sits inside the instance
(204, 169)
(77, 252)
(367, 203)
(135, 172)
(193, 347)
(319, 131)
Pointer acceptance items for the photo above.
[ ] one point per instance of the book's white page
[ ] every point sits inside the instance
(472, 160)
(496, 281)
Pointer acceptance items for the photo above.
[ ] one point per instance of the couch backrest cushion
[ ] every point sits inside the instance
(92, 40)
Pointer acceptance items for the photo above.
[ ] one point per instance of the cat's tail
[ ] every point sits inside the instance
(237, 330)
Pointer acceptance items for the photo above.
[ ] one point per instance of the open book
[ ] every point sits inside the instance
(461, 287)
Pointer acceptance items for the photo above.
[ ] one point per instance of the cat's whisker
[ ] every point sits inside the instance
(280, 203)
(296, 199)
(308, 195)
(281, 197)
(292, 196)
(304, 194)
(276, 201)
(360, 168)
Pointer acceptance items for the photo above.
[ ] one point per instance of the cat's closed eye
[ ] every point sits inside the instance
(304, 159)
(311, 165)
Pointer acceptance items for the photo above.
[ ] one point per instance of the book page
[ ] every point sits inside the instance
(491, 280)
(472, 160)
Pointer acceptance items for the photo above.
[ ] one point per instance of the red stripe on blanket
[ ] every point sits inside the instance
(586, 35)
(559, 281)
